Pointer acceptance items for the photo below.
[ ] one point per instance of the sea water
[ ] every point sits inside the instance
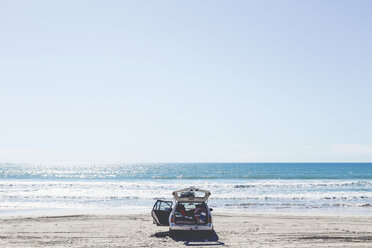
(340, 188)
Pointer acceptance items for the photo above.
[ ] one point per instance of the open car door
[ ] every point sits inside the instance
(161, 211)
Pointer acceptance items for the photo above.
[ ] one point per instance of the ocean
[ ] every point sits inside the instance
(337, 188)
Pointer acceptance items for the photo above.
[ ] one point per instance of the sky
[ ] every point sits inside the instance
(185, 81)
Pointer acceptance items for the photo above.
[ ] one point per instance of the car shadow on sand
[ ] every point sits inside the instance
(192, 238)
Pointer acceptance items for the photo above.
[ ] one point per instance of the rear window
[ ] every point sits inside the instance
(187, 206)
(191, 194)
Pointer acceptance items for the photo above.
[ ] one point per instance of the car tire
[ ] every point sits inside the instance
(172, 233)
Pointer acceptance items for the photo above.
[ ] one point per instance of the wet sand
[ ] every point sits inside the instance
(231, 230)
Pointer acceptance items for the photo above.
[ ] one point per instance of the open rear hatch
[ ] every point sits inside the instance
(191, 206)
(191, 195)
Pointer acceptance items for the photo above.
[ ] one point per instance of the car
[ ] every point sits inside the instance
(190, 211)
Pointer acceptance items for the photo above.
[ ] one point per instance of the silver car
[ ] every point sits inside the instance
(190, 212)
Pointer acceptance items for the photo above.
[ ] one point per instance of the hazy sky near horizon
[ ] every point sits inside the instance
(166, 81)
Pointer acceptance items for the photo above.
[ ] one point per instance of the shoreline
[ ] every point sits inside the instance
(25, 213)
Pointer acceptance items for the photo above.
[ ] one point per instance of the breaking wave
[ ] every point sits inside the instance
(233, 186)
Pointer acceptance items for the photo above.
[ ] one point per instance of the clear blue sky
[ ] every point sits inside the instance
(163, 81)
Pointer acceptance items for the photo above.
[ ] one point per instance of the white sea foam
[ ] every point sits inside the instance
(140, 194)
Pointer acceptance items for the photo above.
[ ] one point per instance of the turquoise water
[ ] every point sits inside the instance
(276, 187)
(190, 171)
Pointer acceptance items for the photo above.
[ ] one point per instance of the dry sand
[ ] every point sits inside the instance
(233, 230)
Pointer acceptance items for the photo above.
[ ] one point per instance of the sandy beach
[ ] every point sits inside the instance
(231, 230)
